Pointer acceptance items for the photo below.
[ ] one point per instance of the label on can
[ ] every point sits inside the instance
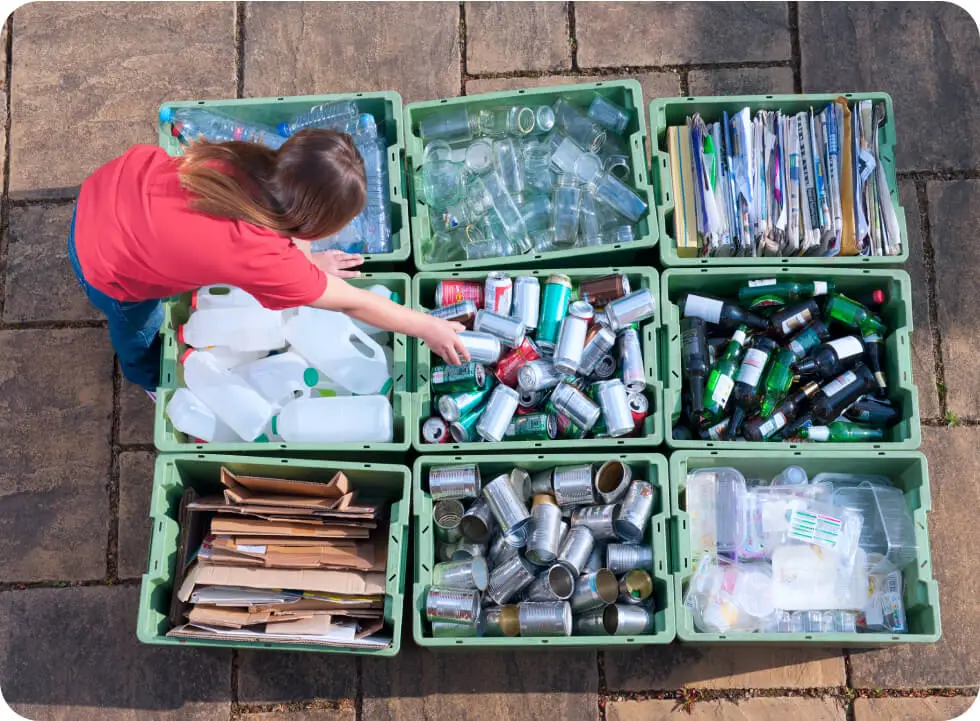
(839, 383)
(456, 291)
(707, 309)
(846, 347)
(752, 366)
(498, 293)
(795, 321)
(723, 389)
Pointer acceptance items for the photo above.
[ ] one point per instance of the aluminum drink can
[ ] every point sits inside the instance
(598, 519)
(527, 300)
(631, 360)
(458, 379)
(635, 511)
(622, 620)
(435, 430)
(554, 305)
(600, 291)
(498, 293)
(509, 578)
(571, 402)
(446, 515)
(639, 407)
(529, 401)
(615, 407)
(555, 584)
(532, 427)
(462, 312)
(469, 574)
(571, 337)
(501, 621)
(573, 485)
(452, 604)
(606, 368)
(509, 330)
(541, 483)
(566, 428)
(545, 618)
(506, 505)
(594, 590)
(464, 430)
(575, 549)
(460, 481)
(611, 481)
(477, 523)
(508, 367)
(544, 532)
(482, 347)
(456, 291)
(453, 407)
(635, 587)
(538, 375)
(631, 309)
(598, 343)
(498, 413)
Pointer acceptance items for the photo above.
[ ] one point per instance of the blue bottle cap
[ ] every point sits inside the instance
(166, 114)
(283, 129)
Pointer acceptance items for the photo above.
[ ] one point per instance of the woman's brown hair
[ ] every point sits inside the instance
(310, 188)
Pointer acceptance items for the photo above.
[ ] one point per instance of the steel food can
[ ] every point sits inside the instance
(573, 485)
(622, 620)
(507, 507)
(468, 574)
(590, 623)
(598, 519)
(631, 309)
(606, 368)
(499, 621)
(461, 481)
(446, 629)
(482, 347)
(571, 337)
(521, 481)
(544, 531)
(611, 481)
(501, 548)
(467, 549)
(446, 515)
(498, 413)
(538, 375)
(615, 407)
(456, 291)
(509, 578)
(508, 330)
(624, 557)
(446, 551)
(548, 618)
(435, 430)
(554, 305)
(452, 604)
(594, 590)
(498, 293)
(477, 523)
(576, 548)
(527, 300)
(463, 378)
(635, 587)
(598, 343)
(541, 483)
(631, 360)
(508, 367)
(464, 430)
(554, 584)
(635, 511)
(639, 408)
(532, 427)
(463, 312)
(599, 291)
(597, 559)
(454, 407)
(571, 402)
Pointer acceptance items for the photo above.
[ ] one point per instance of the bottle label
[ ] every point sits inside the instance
(723, 389)
(707, 309)
(797, 320)
(740, 337)
(839, 383)
(760, 283)
(820, 287)
(716, 431)
(752, 366)
(772, 425)
(846, 347)
(818, 433)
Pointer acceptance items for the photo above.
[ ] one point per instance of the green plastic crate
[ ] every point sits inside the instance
(169, 439)
(174, 473)
(424, 285)
(906, 469)
(665, 112)
(385, 106)
(650, 467)
(626, 93)
(724, 282)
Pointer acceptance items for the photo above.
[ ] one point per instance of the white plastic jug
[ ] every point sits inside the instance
(328, 388)
(241, 329)
(228, 395)
(189, 415)
(387, 295)
(343, 419)
(280, 378)
(222, 296)
(337, 348)
(229, 358)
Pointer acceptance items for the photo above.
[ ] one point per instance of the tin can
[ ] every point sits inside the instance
(446, 629)
(622, 620)
(435, 430)
(452, 604)
(571, 402)
(464, 430)
(624, 557)
(599, 291)
(632, 308)
(460, 481)
(541, 483)
(615, 407)
(501, 549)
(477, 523)
(500, 621)
(544, 531)
(498, 293)
(469, 574)
(594, 590)
(454, 407)
(449, 292)
(530, 401)
(527, 300)
(599, 341)
(498, 413)
(521, 481)
(554, 305)
(635, 511)
(446, 551)
(639, 408)
(463, 312)
(606, 368)
(463, 378)
(548, 618)
(598, 519)
(590, 623)
(571, 337)
(611, 481)
(635, 587)
(538, 375)
(507, 507)
(567, 430)
(482, 347)
(631, 360)
(466, 550)
(510, 365)
(508, 330)
(597, 559)
(446, 515)
(554, 584)
(576, 548)
(532, 427)
(509, 578)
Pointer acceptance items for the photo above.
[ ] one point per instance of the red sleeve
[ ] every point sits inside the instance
(279, 275)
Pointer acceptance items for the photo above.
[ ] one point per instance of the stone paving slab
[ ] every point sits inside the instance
(936, 708)
(740, 81)
(112, 65)
(753, 709)
(346, 47)
(3, 99)
(925, 55)
(136, 415)
(525, 36)
(954, 467)
(344, 713)
(954, 215)
(624, 34)
(652, 84)
(56, 391)
(135, 491)
(680, 666)
(71, 654)
(278, 677)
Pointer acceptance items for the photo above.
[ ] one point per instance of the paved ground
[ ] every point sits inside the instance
(81, 82)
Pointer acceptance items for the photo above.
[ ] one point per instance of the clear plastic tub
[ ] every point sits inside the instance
(888, 530)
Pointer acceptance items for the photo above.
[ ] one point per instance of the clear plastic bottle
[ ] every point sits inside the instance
(228, 395)
(191, 416)
(338, 419)
(568, 196)
(375, 220)
(240, 329)
(280, 378)
(336, 115)
(452, 124)
(190, 124)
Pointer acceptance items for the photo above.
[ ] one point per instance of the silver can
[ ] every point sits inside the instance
(631, 360)
(501, 621)
(446, 629)
(594, 590)
(598, 519)
(510, 578)
(462, 312)
(615, 407)
(574, 404)
(544, 532)
(500, 408)
(462, 481)
(521, 481)
(571, 337)
(452, 604)
(446, 552)
(500, 550)
(527, 300)
(541, 482)
(509, 330)
(531, 399)
(597, 559)
(622, 620)
(446, 515)
(611, 481)
(467, 549)
(624, 557)
(631, 309)
(498, 292)
(606, 368)
(635, 587)
(545, 618)
(507, 507)
(538, 375)
(482, 347)
(554, 584)
(576, 548)
(596, 348)
(591, 623)
(468, 574)
(573, 485)
(635, 511)
(477, 523)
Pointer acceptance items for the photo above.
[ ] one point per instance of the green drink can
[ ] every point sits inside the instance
(554, 307)
(453, 407)
(464, 430)
(532, 427)
(463, 378)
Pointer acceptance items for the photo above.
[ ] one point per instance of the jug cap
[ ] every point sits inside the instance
(180, 334)
(183, 358)
(275, 425)
(386, 388)
(310, 377)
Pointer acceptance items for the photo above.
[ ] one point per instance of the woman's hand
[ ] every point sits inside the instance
(336, 263)
(441, 337)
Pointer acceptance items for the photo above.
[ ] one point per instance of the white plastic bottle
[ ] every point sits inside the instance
(241, 329)
(280, 378)
(338, 349)
(229, 358)
(222, 296)
(228, 395)
(387, 295)
(343, 419)
(190, 416)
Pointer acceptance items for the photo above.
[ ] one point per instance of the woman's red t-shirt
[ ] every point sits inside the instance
(138, 239)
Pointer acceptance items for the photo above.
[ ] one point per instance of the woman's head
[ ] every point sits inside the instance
(310, 188)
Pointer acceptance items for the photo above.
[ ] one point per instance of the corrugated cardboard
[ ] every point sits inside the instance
(259, 527)
(334, 488)
(339, 583)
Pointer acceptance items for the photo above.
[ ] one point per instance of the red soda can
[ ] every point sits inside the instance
(498, 293)
(435, 430)
(509, 366)
(639, 408)
(456, 291)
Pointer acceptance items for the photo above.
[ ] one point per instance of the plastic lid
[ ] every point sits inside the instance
(283, 129)
(396, 298)
(275, 425)
(194, 300)
(263, 438)
(174, 131)
(166, 114)
(386, 388)
(310, 377)
(183, 358)
(180, 334)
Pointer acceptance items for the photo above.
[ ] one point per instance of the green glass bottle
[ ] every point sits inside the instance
(841, 431)
(778, 380)
(721, 380)
(784, 291)
(852, 314)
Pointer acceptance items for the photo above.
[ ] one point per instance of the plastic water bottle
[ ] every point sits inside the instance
(192, 123)
(241, 329)
(190, 416)
(222, 296)
(329, 115)
(229, 358)
(280, 378)
(228, 395)
(375, 221)
(347, 419)
(385, 293)
(340, 350)
(348, 239)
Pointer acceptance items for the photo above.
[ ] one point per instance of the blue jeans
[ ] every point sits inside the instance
(133, 327)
